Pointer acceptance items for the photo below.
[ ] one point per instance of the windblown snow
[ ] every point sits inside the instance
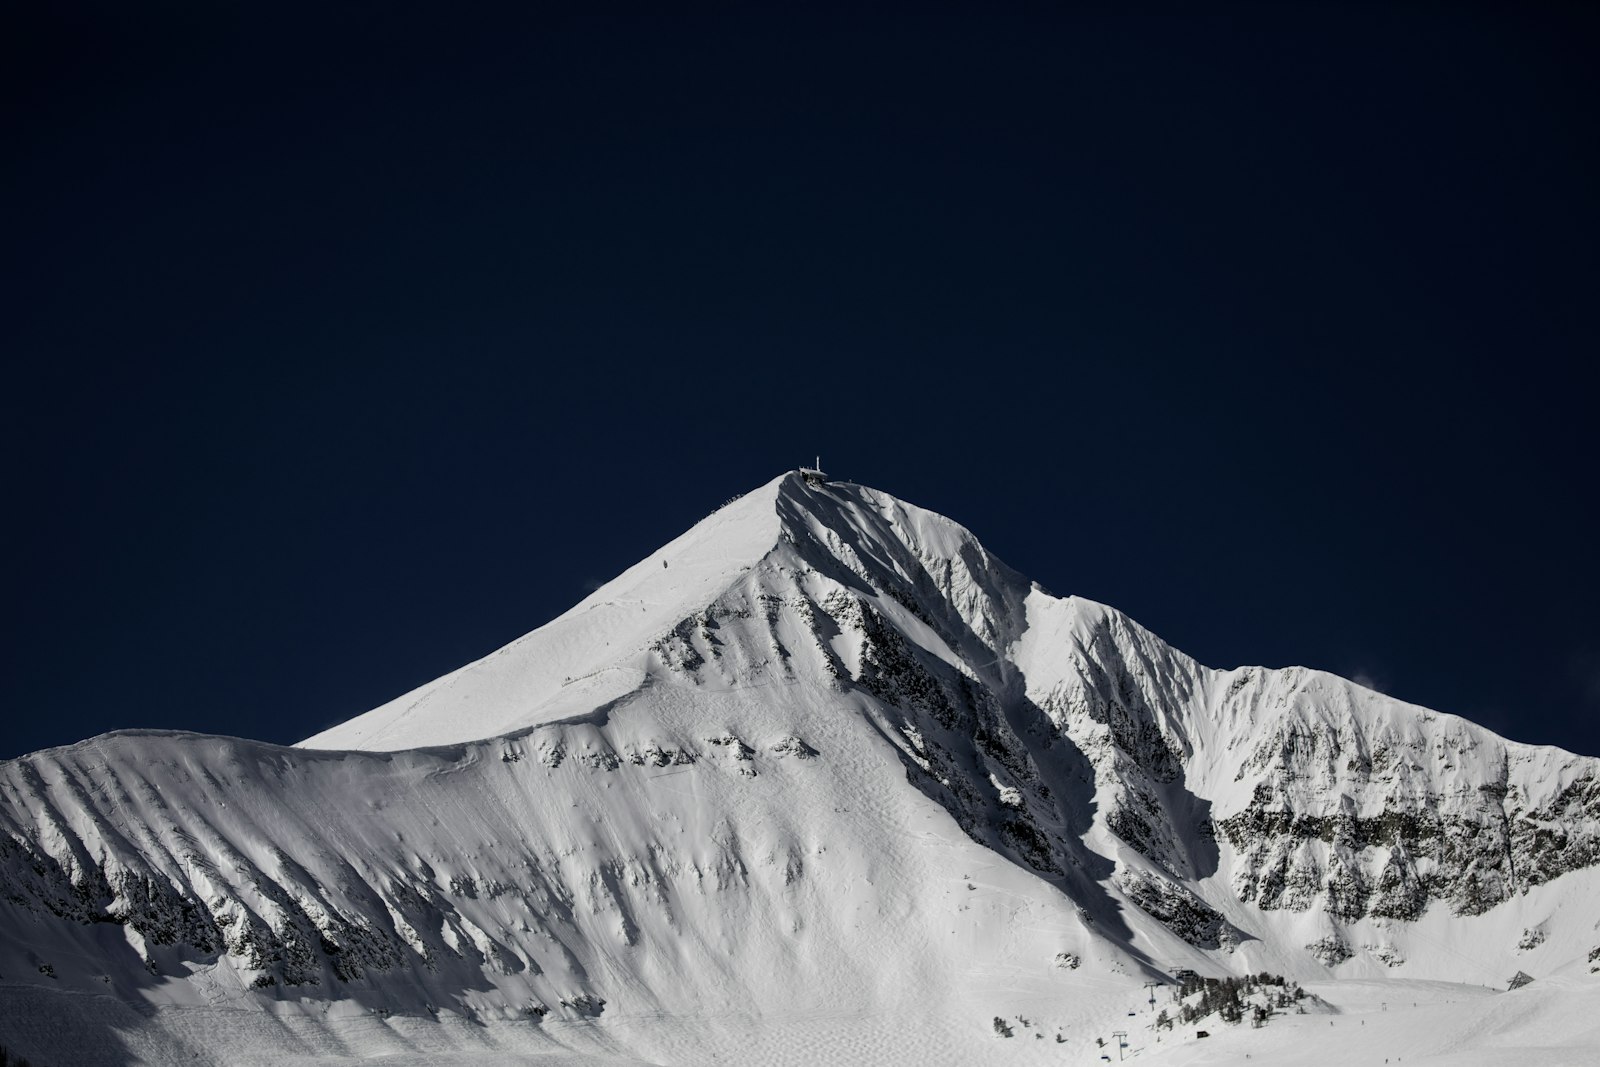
(820, 781)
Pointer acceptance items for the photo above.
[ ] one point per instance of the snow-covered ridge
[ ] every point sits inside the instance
(590, 653)
(819, 704)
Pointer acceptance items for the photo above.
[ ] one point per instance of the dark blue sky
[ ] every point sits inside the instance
(346, 345)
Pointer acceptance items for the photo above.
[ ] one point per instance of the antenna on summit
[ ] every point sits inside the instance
(814, 475)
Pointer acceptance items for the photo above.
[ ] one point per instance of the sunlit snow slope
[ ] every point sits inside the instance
(817, 768)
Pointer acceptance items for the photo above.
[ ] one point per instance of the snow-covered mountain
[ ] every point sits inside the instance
(820, 770)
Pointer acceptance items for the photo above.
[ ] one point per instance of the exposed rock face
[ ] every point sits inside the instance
(1470, 835)
(1176, 908)
(1330, 796)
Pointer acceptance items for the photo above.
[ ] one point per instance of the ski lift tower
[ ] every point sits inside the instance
(814, 475)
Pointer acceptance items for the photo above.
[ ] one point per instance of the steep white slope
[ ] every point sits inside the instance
(732, 864)
(586, 656)
(819, 768)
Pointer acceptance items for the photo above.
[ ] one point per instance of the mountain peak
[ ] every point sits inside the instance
(820, 699)
(799, 523)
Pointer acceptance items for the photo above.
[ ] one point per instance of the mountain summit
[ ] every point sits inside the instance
(820, 761)
(830, 592)
(797, 539)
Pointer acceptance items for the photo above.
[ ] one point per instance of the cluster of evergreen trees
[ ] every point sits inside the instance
(1227, 999)
(8, 1059)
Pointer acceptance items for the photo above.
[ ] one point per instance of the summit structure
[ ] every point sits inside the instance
(820, 760)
